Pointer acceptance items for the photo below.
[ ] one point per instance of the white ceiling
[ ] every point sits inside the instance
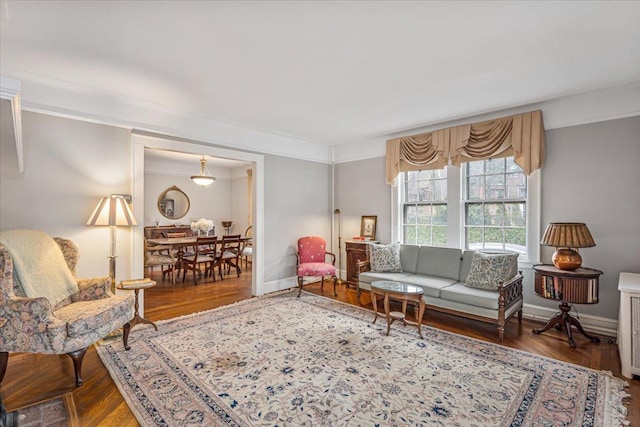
(326, 72)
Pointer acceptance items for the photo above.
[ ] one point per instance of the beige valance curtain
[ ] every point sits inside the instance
(521, 136)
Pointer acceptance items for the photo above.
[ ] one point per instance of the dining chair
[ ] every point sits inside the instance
(204, 252)
(230, 253)
(159, 255)
(311, 261)
(247, 246)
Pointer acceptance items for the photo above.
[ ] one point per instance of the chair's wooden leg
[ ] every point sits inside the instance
(126, 328)
(322, 284)
(77, 357)
(335, 282)
(299, 286)
(4, 361)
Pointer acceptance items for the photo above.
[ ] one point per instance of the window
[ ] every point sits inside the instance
(487, 205)
(425, 207)
(495, 205)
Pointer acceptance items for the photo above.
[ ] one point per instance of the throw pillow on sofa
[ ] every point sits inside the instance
(385, 258)
(489, 269)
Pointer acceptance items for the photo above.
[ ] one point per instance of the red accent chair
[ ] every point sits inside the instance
(312, 255)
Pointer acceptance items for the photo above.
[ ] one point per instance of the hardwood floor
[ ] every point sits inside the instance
(33, 378)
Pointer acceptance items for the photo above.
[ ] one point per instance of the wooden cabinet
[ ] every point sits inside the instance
(356, 251)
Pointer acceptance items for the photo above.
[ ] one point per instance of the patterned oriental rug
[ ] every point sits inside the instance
(287, 361)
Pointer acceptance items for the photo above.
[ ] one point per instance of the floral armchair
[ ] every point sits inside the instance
(311, 261)
(35, 325)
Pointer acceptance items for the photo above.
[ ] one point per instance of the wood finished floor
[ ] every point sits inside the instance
(33, 378)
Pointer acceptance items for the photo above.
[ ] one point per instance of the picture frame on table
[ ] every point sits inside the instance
(368, 226)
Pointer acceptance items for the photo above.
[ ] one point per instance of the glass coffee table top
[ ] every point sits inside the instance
(390, 286)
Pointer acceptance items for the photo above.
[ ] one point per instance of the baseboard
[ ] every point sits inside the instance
(596, 324)
(279, 285)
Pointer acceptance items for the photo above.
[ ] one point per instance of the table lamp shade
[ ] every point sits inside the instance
(112, 210)
(564, 236)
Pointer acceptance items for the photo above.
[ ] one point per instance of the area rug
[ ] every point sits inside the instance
(279, 360)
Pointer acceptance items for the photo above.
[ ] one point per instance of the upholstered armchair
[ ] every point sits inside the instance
(35, 324)
(311, 261)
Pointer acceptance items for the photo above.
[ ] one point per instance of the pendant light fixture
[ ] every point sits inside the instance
(204, 178)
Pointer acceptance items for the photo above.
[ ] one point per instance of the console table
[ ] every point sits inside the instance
(356, 252)
(579, 286)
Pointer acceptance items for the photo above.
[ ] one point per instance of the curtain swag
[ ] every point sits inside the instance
(521, 136)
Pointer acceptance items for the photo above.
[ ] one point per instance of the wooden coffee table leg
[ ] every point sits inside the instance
(419, 313)
(374, 301)
(387, 311)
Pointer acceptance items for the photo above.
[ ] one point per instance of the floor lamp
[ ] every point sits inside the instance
(337, 212)
(112, 211)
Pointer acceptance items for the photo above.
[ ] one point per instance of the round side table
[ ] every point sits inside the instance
(136, 285)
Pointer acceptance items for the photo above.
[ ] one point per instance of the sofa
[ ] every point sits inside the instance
(442, 273)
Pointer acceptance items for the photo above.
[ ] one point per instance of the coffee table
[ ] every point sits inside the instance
(402, 292)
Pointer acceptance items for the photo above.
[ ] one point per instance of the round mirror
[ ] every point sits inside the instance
(173, 203)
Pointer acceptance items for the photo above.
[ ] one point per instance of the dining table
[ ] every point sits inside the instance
(179, 243)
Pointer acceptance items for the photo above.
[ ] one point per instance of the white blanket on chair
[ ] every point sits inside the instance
(39, 265)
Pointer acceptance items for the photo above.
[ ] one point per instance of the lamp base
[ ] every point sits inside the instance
(566, 259)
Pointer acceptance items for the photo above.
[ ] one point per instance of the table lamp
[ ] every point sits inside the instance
(565, 236)
(112, 211)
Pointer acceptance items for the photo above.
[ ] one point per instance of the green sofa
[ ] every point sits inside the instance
(441, 273)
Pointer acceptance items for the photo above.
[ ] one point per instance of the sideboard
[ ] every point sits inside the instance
(151, 232)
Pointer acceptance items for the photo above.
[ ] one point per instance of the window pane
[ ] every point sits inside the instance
(493, 238)
(495, 166)
(424, 235)
(425, 191)
(439, 216)
(410, 234)
(410, 214)
(474, 214)
(516, 186)
(412, 192)
(439, 236)
(440, 190)
(494, 214)
(515, 215)
(474, 238)
(475, 188)
(439, 174)
(475, 168)
(424, 214)
(495, 187)
(515, 240)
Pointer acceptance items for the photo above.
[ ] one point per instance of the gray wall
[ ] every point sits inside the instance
(297, 196)
(591, 175)
(69, 166)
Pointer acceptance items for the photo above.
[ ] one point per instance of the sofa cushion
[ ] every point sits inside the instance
(385, 258)
(472, 296)
(370, 276)
(429, 284)
(439, 262)
(488, 270)
(409, 257)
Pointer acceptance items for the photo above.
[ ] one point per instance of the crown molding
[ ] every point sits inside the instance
(10, 94)
(45, 95)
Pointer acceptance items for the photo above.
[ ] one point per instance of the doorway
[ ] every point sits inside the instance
(142, 141)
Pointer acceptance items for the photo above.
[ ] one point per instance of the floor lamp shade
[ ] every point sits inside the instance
(112, 211)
